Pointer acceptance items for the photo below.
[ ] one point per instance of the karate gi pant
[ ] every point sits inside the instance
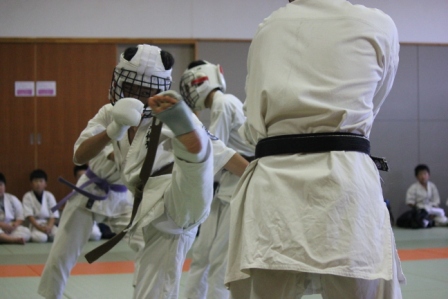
(161, 263)
(75, 229)
(19, 232)
(209, 256)
(439, 215)
(186, 197)
(268, 284)
(40, 237)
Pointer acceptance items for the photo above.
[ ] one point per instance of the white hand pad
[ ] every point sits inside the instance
(128, 112)
(116, 131)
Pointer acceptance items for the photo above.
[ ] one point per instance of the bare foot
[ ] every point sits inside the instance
(190, 140)
(160, 103)
(20, 241)
(12, 240)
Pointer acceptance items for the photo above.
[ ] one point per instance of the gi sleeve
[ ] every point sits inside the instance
(27, 202)
(95, 126)
(435, 198)
(18, 208)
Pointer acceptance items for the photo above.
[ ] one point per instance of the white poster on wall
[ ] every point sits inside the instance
(24, 88)
(46, 88)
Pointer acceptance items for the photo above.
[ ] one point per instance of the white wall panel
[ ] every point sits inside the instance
(402, 102)
(433, 82)
(398, 142)
(417, 21)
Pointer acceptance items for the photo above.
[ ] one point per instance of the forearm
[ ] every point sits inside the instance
(435, 200)
(90, 148)
(50, 222)
(411, 198)
(17, 223)
(33, 222)
(236, 165)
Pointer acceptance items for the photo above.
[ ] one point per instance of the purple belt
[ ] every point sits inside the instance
(93, 179)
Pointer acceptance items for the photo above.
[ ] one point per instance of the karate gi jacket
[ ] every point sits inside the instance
(313, 67)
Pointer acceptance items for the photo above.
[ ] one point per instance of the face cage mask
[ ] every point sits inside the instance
(189, 92)
(139, 87)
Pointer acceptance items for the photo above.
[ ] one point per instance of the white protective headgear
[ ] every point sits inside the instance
(144, 69)
(196, 83)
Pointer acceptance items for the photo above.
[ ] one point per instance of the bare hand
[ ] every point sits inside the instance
(48, 229)
(42, 228)
(7, 228)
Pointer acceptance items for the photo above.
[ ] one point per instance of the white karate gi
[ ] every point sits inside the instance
(209, 252)
(133, 156)
(315, 66)
(75, 227)
(41, 212)
(428, 199)
(14, 211)
(172, 207)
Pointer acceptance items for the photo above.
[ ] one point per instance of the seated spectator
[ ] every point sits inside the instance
(423, 194)
(37, 205)
(11, 217)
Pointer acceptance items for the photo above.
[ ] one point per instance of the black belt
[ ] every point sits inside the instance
(316, 143)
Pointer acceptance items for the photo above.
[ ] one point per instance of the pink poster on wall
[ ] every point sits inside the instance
(24, 88)
(46, 88)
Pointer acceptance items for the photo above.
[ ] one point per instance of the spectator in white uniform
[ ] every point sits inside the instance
(203, 86)
(37, 205)
(11, 217)
(173, 205)
(424, 194)
(308, 215)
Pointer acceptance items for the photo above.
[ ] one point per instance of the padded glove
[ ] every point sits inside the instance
(126, 112)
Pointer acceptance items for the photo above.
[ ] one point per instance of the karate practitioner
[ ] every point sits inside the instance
(11, 217)
(37, 205)
(102, 179)
(308, 215)
(202, 86)
(174, 204)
